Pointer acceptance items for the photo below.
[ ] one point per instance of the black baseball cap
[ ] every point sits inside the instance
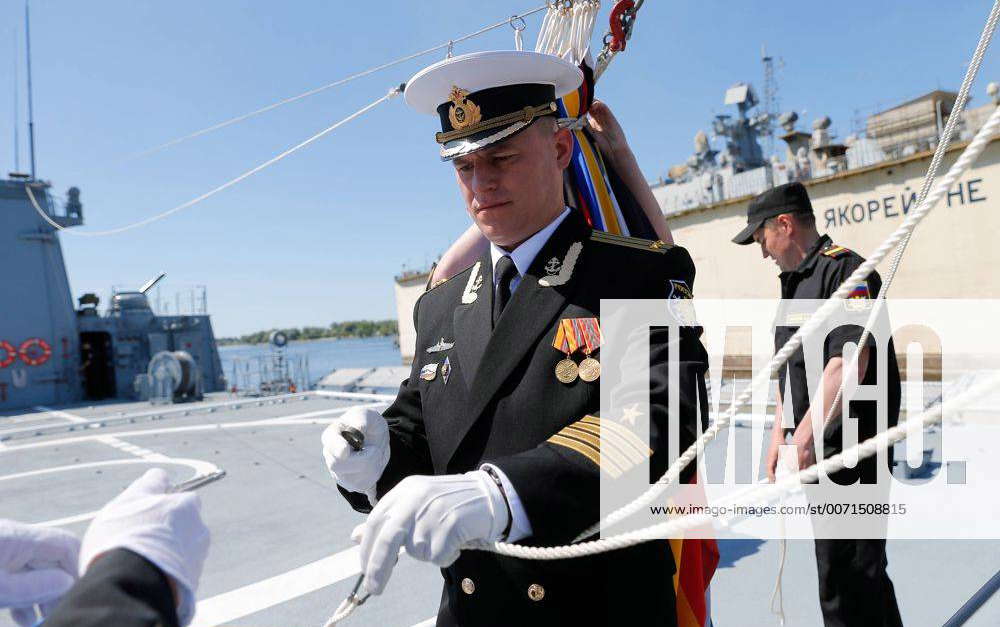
(787, 198)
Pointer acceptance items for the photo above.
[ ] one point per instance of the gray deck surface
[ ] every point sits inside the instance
(278, 510)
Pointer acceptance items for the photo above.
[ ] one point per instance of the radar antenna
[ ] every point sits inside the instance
(771, 105)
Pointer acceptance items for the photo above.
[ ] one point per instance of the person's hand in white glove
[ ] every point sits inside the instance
(37, 566)
(163, 527)
(357, 471)
(432, 518)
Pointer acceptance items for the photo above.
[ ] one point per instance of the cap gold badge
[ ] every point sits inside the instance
(463, 111)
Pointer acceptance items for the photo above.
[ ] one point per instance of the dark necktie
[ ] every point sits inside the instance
(505, 271)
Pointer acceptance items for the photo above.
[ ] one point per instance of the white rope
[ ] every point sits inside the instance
(345, 609)
(347, 79)
(969, 155)
(765, 494)
(392, 94)
(566, 31)
(943, 142)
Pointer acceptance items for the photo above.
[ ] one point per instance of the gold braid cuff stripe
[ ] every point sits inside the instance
(525, 115)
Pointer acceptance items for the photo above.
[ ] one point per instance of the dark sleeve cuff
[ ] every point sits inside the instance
(121, 588)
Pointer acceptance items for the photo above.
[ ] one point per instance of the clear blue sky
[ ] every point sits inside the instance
(319, 236)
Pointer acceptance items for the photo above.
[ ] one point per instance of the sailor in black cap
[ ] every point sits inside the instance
(854, 588)
(496, 434)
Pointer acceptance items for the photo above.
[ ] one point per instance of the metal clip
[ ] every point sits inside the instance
(353, 597)
(621, 26)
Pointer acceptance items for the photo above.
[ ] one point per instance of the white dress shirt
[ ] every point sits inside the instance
(522, 256)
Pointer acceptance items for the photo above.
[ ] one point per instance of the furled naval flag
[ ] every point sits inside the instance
(596, 190)
(592, 186)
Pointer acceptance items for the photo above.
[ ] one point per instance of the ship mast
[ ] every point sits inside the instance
(31, 112)
(17, 116)
(770, 98)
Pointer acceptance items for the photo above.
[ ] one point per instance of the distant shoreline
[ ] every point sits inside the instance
(351, 329)
(230, 341)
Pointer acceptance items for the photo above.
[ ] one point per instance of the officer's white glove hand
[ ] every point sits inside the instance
(164, 528)
(37, 566)
(357, 471)
(432, 518)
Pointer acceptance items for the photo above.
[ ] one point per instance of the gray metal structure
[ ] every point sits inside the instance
(53, 353)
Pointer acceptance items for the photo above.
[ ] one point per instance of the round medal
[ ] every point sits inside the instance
(590, 369)
(566, 370)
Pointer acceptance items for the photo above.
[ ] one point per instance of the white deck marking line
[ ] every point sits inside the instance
(430, 622)
(120, 420)
(235, 604)
(58, 413)
(355, 395)
(200, 467)
(282, 421)
(132, 449)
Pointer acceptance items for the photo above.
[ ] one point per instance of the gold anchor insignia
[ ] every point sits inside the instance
(463, 112)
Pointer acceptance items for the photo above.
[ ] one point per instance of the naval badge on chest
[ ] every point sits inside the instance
(578, 334)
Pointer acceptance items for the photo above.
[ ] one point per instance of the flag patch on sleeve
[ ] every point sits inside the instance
(860, 291)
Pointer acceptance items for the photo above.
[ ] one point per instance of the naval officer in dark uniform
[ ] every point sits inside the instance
(496, 434)
(854, 587)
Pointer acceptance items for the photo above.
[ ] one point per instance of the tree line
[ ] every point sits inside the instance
(351, 328)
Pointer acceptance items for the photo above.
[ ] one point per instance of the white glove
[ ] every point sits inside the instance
(164, 528)
(432, 518)
(37, 566)
(357, 471)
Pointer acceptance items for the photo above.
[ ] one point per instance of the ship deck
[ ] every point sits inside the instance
(281, 553)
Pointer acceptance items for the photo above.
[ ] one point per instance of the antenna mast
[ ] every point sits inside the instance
(31, 112)
(770, 97)
(17, 113)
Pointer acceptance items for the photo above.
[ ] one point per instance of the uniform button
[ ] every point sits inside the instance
(536, 592)
(468, 586)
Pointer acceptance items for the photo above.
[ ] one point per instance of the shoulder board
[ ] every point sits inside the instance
(835, 251)
(631, 242)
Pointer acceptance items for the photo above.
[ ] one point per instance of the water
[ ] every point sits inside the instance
(324, 355)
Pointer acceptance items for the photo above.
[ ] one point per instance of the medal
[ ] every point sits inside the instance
(589, 329)
(566, 342)
(590, 369)
(566, 370)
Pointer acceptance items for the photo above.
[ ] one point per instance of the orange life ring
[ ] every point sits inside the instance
(11, 353)
(36, 359)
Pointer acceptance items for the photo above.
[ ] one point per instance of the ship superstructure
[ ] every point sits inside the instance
(52, 353)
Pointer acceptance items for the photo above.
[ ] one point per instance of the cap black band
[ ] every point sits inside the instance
(468, 114)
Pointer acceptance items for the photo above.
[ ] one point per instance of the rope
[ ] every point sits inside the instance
(312, 92)
(943, 142)
(765, 494)
(942, 147)
(395, 91)
(969, 155)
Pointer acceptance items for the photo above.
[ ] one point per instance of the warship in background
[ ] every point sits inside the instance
(861, 189)
(52, 353)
